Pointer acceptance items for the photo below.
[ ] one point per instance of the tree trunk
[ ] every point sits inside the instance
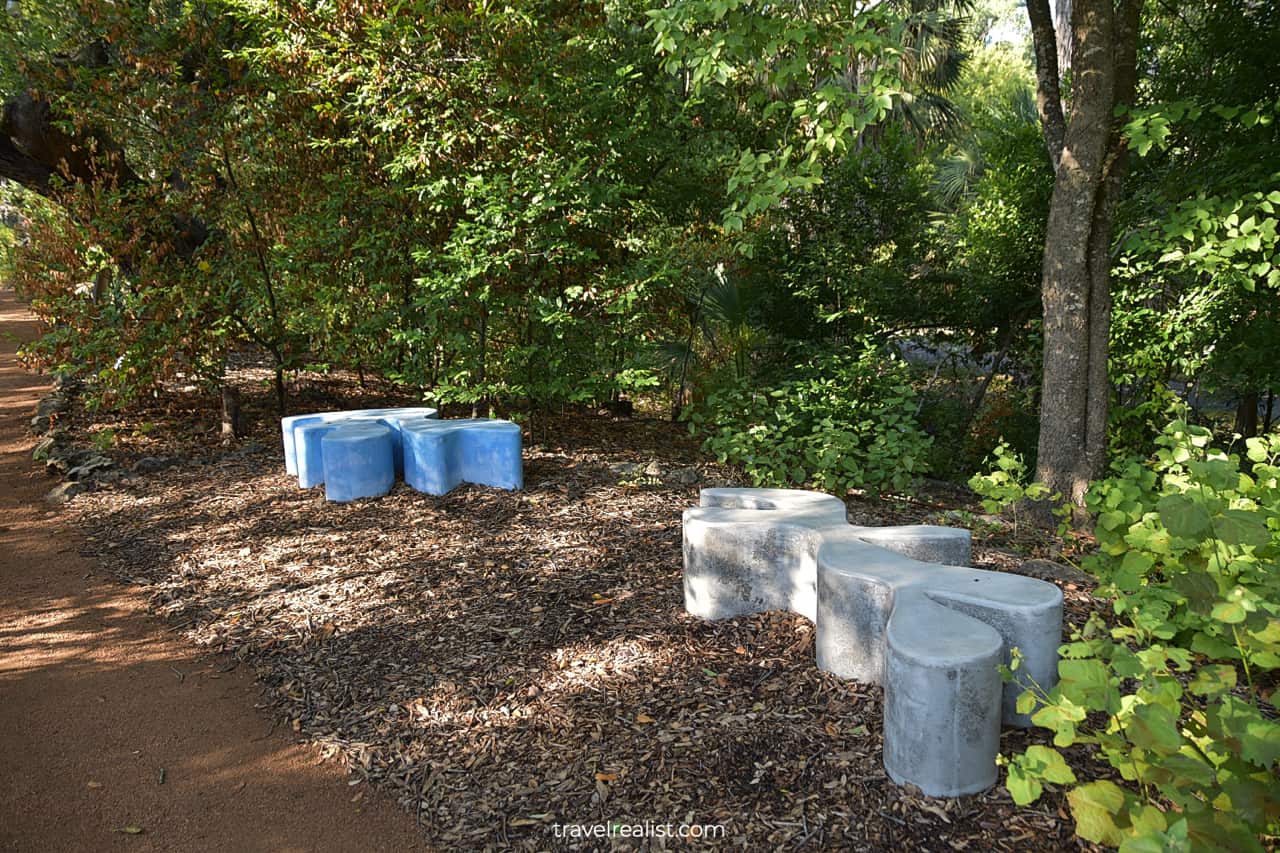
(1076, 286)
(481, 366)
(231, 425)
(1247, 415)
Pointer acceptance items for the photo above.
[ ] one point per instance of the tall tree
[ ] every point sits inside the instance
(1088, 153)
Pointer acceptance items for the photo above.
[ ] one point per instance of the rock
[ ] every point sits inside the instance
(49, 445)
(626, 470)
(88, 468)
(65, 492)
(150, 464)
(1048, 570)
(685, 476)
(48, 409)
(54, 404)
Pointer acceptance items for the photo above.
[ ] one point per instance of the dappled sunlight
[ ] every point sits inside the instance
(83, 633)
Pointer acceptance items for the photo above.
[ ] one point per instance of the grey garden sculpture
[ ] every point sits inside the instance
(359, 454)
(891, 606)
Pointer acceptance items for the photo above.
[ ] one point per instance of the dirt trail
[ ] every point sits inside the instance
(108, 722)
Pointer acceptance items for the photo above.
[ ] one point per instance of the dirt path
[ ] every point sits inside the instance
(108, 722)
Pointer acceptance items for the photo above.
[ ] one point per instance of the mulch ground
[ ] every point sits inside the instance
(506, 661)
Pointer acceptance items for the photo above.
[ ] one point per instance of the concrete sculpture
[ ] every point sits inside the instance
(357, 454)
(891, 606)
(439, 455)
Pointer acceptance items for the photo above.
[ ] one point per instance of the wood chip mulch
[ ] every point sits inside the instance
(506, 661)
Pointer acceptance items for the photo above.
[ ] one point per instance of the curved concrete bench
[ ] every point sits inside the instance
(438, 455)
(392, 418)
(892, 606)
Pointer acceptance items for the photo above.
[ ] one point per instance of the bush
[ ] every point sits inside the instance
(1005, 485)
(841, 422)
(1178, 697)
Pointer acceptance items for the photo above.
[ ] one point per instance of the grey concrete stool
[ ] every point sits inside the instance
(892, 606)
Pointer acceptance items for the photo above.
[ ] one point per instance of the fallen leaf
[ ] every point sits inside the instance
(644, 718)
(93, 784)
(606, 777)
(131, 830)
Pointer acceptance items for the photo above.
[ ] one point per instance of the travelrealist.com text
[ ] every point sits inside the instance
(647, 829)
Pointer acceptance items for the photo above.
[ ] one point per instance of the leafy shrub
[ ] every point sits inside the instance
(841, 422)
(1178, 697)
(1005, 486)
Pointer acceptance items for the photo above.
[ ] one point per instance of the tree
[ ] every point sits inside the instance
(1088, 153)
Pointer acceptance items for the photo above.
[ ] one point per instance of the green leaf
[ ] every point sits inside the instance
(1229, 612)
(1241, 527)
(1183, 517)
(1200, 589)
(1133, 568)
(1154, 727)
(1258, 738)
(1190, 772)
(1023, 787)
(1048, 764)
(1213, 679)
(1095, 807)
(1085, 682)
(1147, 842)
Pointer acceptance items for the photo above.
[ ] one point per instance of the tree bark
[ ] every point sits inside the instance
(231, 425)
(1048, 88)
(1076, 287)
(1247, 415)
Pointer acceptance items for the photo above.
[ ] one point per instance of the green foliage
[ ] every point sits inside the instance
(1195, 289)
(791, 66)
(837, 423)
(1005, 485)
(7, 246)
(1178, 696)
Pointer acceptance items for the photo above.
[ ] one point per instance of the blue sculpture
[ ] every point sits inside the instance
(359, 454)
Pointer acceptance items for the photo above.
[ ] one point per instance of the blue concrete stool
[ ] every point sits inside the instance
(307, 438)
(391, 417)
(358, 460)
(438, 455)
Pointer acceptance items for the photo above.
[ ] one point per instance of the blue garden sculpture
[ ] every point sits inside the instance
(359, 454)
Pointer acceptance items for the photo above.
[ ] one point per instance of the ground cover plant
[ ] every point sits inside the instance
(1182, 688)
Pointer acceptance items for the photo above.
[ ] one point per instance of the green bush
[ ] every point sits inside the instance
(1178, 695)
(1005, 486)
(841, 422)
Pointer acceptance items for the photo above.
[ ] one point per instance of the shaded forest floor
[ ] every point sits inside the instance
(504, 661)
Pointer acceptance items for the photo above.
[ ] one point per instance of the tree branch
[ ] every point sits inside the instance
(1048, 80)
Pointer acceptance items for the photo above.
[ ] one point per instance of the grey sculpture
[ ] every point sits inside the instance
(892, 606)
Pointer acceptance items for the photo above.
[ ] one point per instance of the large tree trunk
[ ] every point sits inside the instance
(1076, 286)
